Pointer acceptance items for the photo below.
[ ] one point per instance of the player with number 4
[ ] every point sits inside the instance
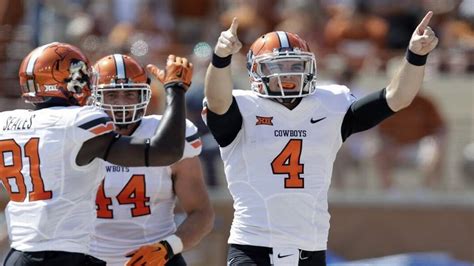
(279, 140)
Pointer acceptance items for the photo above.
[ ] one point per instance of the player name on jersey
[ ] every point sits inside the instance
(18, 122)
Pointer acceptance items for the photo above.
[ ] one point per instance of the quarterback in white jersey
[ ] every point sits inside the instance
(135, 205)
(52, 158)
(279, 140)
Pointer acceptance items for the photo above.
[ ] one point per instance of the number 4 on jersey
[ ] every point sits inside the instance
(133, 193)
(288, 162)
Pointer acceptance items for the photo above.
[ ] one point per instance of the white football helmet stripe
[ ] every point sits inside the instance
(120, 66)
(285, 43)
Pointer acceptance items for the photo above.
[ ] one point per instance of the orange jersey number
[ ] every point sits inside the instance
(288, 163)
(13, 169)
(134, 193)
(102, 204)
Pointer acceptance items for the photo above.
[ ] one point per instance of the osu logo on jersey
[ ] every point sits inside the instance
(264, 120)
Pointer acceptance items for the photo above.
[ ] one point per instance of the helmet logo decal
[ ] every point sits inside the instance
(78, 77)
(52, 87)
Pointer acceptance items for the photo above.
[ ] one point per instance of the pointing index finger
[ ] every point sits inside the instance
(424, 23)
(233, 27)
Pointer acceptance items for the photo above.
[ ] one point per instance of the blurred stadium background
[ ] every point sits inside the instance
(423, 215)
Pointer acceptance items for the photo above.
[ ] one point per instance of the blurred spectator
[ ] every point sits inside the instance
(415, 135)
(357, 34)
(402, 17)
(458, 43)
(11, 14)
(193, 18)
(150, 32)
(307, 19)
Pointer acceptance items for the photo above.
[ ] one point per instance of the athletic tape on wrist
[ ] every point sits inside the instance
(175, 243)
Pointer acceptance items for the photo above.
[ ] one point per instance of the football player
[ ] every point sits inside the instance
(279, 140)
(135, 204)
(52, 158)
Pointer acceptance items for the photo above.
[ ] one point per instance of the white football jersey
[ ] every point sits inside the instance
(278, 168)
(51, 198)
(135, 205)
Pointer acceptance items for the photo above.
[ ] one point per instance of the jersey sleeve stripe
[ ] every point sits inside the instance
(102, 129)
(192, 137)
(91, 124)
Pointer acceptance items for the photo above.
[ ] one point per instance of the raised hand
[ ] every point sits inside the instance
(424, 39)
(178, 71)
(228, 43)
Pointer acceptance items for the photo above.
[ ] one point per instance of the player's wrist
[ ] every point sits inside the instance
(176, 87)
(416, 59)
(221, 62)
(173, 245)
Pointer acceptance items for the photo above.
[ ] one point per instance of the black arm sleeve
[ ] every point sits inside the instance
(365, 113)
(225, 127)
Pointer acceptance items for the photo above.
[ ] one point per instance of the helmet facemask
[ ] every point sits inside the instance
(121, 88)
(123, 114)
(283, 74)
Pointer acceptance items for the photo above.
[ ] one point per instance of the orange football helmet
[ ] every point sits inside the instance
(55, 70)
(121, 72)
(281, 59)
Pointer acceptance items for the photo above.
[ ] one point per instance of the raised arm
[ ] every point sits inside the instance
(218, 83)
(408, 80)
(167, 145)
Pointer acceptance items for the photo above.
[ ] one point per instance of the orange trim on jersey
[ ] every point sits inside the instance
(196, 144)
(101, 129)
